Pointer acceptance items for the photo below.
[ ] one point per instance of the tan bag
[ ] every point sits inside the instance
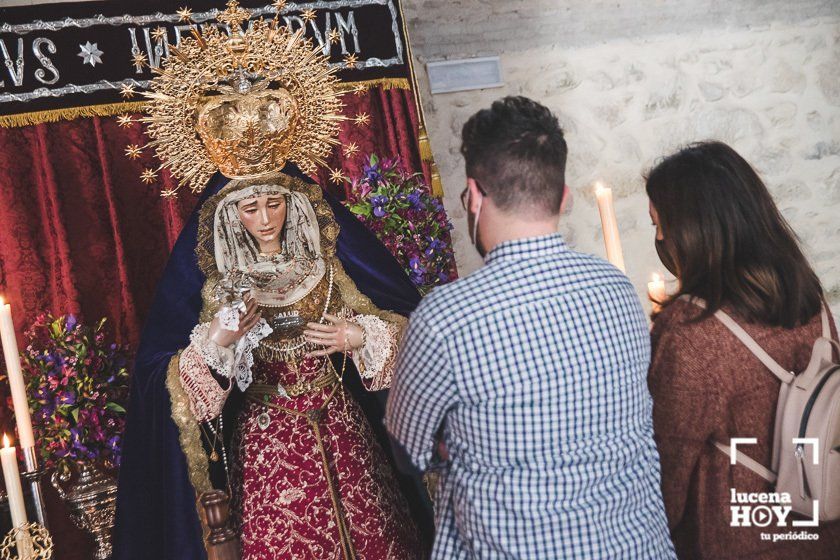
(808, 409)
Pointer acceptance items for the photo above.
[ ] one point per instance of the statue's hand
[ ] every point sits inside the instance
(340, 335)
(247, 319)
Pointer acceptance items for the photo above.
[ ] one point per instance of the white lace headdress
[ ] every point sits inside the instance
(300, 266)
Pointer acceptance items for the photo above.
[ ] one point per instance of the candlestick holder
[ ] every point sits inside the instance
(33, 476)
(34, 539)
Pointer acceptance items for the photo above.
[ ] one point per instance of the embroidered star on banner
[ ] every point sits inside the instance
(124, 121)
(334, 36)
(359, 89)
(308, 15)
(90, 54)
(351, 149)
(279, 5)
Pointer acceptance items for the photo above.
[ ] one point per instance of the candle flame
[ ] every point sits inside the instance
(5, 441)
(657, 277)
(599, 187)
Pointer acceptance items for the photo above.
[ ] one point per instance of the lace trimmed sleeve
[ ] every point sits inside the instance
(206, 395)
(203, 357)
(377, 358)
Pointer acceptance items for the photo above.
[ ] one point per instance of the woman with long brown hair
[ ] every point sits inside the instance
(719, 232)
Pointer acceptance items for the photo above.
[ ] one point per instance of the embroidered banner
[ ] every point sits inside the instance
(68, 60)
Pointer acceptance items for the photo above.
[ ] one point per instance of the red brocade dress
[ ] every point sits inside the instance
(308, 478)
(314, 476)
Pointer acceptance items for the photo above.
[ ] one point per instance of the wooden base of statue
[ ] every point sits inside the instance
(221, 541)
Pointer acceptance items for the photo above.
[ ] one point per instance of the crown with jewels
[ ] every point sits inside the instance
(243, 103)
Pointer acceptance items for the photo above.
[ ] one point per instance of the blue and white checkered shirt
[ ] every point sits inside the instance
(535, 367)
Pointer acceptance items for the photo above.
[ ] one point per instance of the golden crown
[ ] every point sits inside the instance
(244, 103)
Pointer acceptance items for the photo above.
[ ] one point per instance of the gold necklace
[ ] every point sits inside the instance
(276, 351)
(214, 455)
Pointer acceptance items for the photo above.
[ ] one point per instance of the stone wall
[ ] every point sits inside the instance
(770, 90)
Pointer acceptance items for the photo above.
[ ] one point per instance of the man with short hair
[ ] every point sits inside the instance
(531, 372)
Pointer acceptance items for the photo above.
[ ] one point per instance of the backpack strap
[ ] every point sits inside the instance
(784, 375)
(748, 462)
(826, 328)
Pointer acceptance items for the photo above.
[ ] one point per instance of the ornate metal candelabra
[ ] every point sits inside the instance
(31, 541)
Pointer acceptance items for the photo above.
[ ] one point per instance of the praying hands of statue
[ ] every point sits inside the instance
(340, 335)
(247, 319)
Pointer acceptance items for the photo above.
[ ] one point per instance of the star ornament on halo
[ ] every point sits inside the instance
(336, 177)
(138, 60)
(351, 60)
(133, 151)
(127, 90)
(159, 33)
(351, 149)
(362, 119)
(124, 121)
(184, 14)
(148, 176)
(90, 54)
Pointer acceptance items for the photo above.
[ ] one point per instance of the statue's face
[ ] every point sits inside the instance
(263, 217)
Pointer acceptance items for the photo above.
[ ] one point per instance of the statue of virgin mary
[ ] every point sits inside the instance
(277, 319)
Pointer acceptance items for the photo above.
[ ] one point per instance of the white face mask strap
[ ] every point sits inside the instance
(475, 222)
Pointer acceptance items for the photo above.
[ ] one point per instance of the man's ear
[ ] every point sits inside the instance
(475, 195)
(567, 201)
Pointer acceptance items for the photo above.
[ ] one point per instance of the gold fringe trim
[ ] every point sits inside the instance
(384, 83)
(188, 431)
(69, 113)
(110, 109)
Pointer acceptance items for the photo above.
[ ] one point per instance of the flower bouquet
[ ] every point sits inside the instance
(410, 222)
(77, 388)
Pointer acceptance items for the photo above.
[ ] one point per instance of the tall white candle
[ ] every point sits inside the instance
(18, 386)
(610, 225)
(8, 458)
(656, 291)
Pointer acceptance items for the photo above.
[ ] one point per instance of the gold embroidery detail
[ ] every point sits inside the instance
(188, 430)
(313, 417)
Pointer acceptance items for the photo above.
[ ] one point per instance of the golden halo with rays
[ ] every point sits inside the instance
(238, 80)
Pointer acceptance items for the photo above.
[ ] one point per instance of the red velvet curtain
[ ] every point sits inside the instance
(80, 233)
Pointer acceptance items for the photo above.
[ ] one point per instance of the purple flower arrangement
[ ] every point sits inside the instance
(410, 222)
(77, 385)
